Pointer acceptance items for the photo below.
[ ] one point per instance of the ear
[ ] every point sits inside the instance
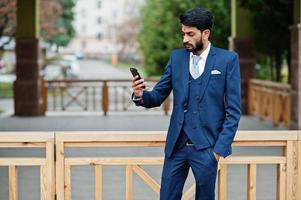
(206, 34)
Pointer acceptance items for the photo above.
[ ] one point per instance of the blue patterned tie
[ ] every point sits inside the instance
(194, 71)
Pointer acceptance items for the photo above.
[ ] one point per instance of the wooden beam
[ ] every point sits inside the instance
(13, 182)
(251, 190)
(98, 182)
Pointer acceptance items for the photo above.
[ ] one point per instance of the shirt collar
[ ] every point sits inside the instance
(204, 54)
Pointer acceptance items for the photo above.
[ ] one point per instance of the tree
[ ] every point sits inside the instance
(56, 18)
(7, 22)
(64, 24)
(160, 30)
(50, 12)
(271, 19)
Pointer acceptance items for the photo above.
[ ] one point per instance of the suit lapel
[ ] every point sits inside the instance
(185, 73)
(207, 71)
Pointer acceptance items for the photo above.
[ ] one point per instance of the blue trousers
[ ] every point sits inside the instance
(176, 168)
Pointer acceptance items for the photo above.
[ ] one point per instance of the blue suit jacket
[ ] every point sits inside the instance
(219, 103)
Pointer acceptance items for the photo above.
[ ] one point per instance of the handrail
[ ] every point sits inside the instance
(270, 100)
(93, 95)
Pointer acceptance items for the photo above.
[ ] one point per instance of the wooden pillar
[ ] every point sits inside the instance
(27, 86)
(241, 42)
(296, 67)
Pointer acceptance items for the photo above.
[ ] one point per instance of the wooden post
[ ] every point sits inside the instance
(98, 182)
(50, 170)
(241, 42)
(129, 182)
(67, 185)
(44, 96)
(299, 166)
(291, 183)
(43, 183)
(251, 182)
(13, 183)
(281, 182)
(296, 67)
(105, 97)
(27, 87)
(222, 182)
(60, 170)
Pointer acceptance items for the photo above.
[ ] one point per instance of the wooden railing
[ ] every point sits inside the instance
(270, 100)
(43, 140)
(91, 95)
(288, 176)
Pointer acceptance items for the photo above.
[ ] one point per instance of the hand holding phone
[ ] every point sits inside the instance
(138, 83)
(135, 74)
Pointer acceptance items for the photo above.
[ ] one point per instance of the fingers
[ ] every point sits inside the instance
(138, 84)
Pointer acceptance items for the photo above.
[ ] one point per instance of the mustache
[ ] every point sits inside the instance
(187, 43)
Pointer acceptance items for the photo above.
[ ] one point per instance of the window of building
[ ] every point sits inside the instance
(99, 20)
(99, 36)
(99, 4)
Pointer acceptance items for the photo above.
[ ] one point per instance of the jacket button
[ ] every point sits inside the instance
(185, 110)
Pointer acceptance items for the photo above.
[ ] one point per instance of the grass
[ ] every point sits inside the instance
(6, 90)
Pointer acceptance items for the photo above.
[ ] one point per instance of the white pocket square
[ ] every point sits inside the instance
(215, 72)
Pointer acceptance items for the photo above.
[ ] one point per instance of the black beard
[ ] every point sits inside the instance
(198, 46)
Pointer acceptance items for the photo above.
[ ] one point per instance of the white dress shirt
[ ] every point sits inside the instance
(202, 61)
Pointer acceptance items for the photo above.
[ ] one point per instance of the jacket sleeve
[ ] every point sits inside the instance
(160, 92)
(233, 109)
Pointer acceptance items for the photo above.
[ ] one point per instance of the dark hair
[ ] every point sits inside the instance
(198, 17)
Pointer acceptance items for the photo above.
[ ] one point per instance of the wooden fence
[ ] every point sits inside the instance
(288, 164)
(90, 95)
(270, 100)
(30, 140)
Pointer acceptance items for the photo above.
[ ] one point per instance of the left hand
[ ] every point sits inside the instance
(217, 156)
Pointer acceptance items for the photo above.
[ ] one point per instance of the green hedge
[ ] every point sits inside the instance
(6, 90)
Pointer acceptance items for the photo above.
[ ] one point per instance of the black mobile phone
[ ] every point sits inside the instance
(135, 73)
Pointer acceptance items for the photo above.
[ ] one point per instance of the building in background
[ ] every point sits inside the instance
(105, 28)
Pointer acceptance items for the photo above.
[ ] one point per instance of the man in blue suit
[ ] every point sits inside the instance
(205, 81)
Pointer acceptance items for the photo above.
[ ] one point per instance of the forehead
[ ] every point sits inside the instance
(186, 29)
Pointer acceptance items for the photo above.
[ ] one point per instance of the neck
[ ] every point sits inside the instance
(203, 49)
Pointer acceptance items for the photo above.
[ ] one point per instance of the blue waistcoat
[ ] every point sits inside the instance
(191, 115)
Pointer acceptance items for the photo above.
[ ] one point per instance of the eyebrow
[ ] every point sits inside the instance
(187, 32)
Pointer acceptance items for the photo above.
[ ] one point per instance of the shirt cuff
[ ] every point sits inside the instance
(136, 98)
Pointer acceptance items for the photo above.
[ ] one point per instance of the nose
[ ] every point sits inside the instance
(185, 39)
